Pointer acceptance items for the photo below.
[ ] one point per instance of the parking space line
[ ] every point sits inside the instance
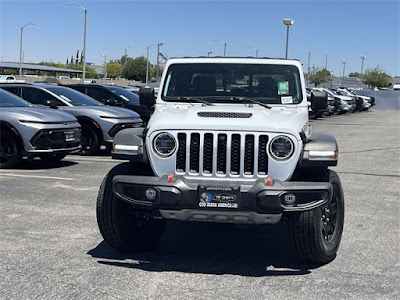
(35, 176)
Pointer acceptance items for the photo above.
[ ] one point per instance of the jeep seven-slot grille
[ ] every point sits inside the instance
(221, 153)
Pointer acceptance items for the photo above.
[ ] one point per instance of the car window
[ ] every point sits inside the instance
(10, 100)
(100, 94)
(38, 96)
(125, 94)
(73, 97)
(11, 89)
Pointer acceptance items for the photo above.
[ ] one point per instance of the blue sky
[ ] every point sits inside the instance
(338, 30)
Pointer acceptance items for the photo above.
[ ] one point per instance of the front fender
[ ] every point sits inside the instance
(129, 144)
(321, 150)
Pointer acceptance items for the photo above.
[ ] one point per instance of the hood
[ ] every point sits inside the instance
(35, 114)
(106, 111)
(225, 118)
(345, 98)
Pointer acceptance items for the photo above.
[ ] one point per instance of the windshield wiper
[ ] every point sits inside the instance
(189, 99)
(251, 100)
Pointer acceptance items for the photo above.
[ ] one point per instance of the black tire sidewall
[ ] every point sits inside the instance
(89, 131)
(16, 154)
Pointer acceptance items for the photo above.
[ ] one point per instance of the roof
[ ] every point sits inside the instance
(12, 65)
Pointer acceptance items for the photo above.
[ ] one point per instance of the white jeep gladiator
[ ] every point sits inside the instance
(229, 141)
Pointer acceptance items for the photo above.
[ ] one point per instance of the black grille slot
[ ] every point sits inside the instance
(262, 155)
(221, 154)
(208, 153)
(181, 154)
(249, 155)
(235, 154)
(215, 114)
(194, 152)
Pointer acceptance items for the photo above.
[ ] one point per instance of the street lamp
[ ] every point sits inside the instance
(344, 66)
(362, 63)
(20, 49)
(147, 63)
(105, 65)
(158, 61)
(256, 52)
(209, 53)
(287, 22)
(84, 41)
(126, 52)
(221, 41)
(308, 68)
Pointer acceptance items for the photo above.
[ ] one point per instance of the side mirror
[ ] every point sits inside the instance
(319, 100)
(51, 103)
(146, 96)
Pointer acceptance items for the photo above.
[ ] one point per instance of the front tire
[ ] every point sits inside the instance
(316, 234)
(10, 154)
(123, 226)
(89, 141)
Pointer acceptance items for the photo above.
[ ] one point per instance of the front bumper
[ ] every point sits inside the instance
(181, 198)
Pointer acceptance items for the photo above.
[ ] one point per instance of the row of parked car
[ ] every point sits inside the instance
(339, 101)
(82, 119)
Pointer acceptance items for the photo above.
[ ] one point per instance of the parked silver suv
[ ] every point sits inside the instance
(26, 131)
(99, 123)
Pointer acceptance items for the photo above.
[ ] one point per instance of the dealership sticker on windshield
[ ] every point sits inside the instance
(283, 87)
(287, 100)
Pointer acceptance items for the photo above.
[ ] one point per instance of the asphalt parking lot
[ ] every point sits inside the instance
(50, 246)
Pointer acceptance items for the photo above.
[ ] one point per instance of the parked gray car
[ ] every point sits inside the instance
(99, 122)
(27, 131)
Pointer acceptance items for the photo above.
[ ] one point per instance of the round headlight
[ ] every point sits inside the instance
(281, 147)
(164, 144)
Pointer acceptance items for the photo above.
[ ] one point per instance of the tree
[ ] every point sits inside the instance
(114, 69)
(355, 74)
(318, 76)
(376, 77)
(123, 59)
(135, 69)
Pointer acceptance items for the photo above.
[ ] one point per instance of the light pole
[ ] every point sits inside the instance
(147, 63)
(84, 41)
(221, 41)
(326, 66)
(20, 49)
(158, 61)
(362, 63)
(209, 53)
(256, 52)
(344, 67)
(287, 22)
(126, 52)
(308, 68)
(105, 65)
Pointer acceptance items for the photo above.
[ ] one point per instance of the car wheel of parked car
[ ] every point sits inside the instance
(123, 226)
(89, 141)
(54, 157)
(316, 234)
(10, 155)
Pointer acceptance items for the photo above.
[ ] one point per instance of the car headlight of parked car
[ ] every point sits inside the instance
(281, 148)
(164, 144)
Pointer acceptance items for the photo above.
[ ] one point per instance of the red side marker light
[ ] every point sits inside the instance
(171, 178)
(269, 181)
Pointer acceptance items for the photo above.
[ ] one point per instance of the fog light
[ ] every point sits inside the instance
(289, 199)
(151, 194)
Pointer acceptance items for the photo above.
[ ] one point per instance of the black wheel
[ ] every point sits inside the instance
(316, 234)
(123, 226)
(52, 157)
(89, 141)
(10, 155)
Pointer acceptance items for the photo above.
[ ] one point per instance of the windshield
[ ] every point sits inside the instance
(73, 97)
(124, 94)
(269, 84)
(10, 100)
